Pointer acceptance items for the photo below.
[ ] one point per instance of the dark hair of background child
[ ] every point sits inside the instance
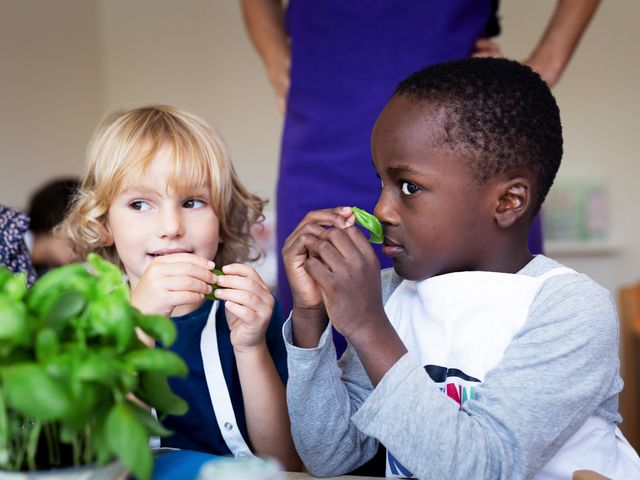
(48, 205)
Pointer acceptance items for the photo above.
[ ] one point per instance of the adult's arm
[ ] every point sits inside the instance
(560, 39)
(264, 21)
(556, 46)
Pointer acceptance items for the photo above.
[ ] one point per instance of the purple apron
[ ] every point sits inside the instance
(347, 56)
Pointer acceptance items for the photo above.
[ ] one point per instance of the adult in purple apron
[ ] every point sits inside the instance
(346, 57)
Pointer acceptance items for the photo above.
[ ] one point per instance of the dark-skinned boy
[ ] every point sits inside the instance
(470, 358)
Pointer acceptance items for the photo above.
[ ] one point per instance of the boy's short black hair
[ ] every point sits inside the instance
(498, 113)
(48, 205)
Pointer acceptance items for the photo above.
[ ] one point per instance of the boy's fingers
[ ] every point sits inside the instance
(240, 311)
(183, 297)
(244, 277)
(328, 253)
(318, 271)
(330, 217)
(360, 241)
(243, 284)
(299, 245)
(187, 269)
(249, 300)
(312, 228)
(187, 284)
(349, 241)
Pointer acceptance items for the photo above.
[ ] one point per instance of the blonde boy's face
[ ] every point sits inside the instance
(147, 219)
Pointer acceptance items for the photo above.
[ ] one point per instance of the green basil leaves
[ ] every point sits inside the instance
(211, 295)
(371, 223)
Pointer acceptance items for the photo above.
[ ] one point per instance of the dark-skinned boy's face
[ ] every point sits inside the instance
(437, 218)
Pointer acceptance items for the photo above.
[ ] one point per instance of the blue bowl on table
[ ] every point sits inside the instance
(179, 464)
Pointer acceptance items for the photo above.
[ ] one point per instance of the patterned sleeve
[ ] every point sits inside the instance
(14, 253)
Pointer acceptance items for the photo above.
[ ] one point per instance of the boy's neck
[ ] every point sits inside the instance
(507, 260)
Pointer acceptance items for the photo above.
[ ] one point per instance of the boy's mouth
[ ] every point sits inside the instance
(391, 248)
(168, 251)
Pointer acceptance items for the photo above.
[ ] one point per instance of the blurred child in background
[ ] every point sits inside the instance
(47, 208)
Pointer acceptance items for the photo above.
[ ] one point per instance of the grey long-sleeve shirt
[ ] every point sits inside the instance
(560, 369)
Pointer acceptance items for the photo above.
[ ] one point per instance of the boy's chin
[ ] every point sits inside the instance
(408, 272)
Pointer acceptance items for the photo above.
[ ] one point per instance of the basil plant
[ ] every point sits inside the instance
(76, 384)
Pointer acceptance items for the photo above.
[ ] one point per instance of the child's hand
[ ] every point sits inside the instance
(347, 270)
(248, 306)
(171, 281)
(304, 289)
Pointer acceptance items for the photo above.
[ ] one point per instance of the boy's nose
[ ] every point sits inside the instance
(383, 209)
(170, 224)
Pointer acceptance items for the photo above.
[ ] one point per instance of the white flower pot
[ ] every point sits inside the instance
(111, 471)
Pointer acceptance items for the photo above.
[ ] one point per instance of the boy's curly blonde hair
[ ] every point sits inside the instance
(124, 144)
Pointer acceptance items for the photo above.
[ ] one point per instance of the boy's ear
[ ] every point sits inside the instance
(107, 237)
(514, 201)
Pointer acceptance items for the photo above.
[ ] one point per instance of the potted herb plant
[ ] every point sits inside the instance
(76, 384)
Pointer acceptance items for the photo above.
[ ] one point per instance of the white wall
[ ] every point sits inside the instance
(599, 104)
(64, 64)
(51, 89)
(195, 54)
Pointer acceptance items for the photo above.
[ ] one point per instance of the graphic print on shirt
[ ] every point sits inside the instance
(457, 385)
(454, 382)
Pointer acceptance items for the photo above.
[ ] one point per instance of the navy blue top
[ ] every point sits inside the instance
(198, 429)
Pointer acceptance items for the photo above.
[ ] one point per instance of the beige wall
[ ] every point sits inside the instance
(63, 64)
(599, 103)
(195, 54)
(51, 90)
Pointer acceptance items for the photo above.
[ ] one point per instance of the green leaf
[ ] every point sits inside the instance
(211, 296)
(64, 307)
(85, 404)
(111, 280)
(60, 366)
(68, 432)
(5, 274)
(159, 327)
(99, 437)
(111, 317)
(5, 435)
(371, 223)
(129, 440)
(14, 328)
(32, 444)
(73, 276)
(157, 360)
(102, 369)
(31, 391)
(153, 426)
(47, 344)
(15, 287)
(154, 390)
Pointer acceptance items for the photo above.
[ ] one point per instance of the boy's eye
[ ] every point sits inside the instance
(139, 205)
(192, 203)
(409, 188)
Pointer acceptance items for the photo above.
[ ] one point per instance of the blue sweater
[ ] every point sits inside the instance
(198, 429)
